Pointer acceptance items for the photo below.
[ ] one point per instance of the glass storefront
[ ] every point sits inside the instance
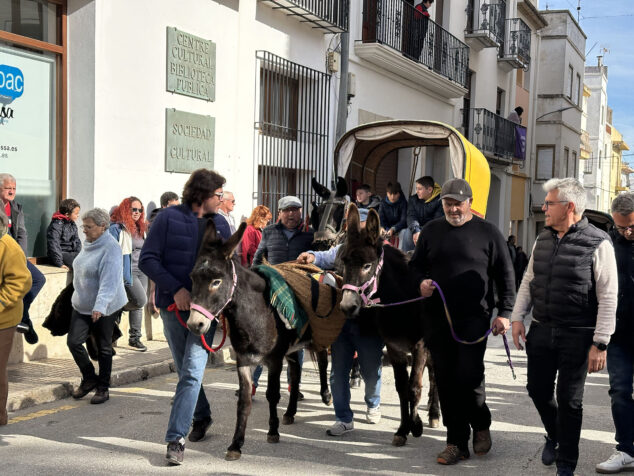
(31, 148)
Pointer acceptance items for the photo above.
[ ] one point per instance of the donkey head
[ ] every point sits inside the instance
(360, 257)
(327, 217)
(212, 277)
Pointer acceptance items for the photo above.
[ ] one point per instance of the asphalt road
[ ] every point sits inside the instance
(125, 435)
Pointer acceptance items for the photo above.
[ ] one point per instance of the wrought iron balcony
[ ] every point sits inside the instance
(414, 38)
(485, 22)
(332, 16)
(499, 139)
(515, 50)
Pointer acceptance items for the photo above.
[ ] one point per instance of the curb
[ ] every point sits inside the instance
(52, 392)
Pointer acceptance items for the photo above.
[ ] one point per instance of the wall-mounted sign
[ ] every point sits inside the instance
(191, 65)
(189, 141)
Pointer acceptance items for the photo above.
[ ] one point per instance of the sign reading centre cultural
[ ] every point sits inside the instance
(191, 65)
(189, 141)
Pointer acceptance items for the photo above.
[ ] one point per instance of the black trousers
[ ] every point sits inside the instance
(459, 372)
(561, 355)
(79, 332)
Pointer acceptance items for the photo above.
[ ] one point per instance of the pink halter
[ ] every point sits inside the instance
(208, 314)
(369, 288)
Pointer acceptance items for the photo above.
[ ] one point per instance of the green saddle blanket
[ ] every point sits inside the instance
(283, 299)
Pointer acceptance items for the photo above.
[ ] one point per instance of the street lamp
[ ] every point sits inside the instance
(558, 110)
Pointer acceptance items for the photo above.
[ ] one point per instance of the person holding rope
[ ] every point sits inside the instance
(571, 285)
(465, 255)
(167, 258)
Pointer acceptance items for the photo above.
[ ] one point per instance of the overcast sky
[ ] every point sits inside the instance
(609, 25)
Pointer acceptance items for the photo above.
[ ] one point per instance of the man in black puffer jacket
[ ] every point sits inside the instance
(620, 351)
(571, 284)
(284, 240)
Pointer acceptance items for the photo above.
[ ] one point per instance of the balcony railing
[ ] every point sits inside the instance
(331, 16)
(516, 47)
(485, 21)
(395, 23)
(495, 136)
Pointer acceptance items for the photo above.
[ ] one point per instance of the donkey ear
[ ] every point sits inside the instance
(373, 227)
(353, 220)
(210, 232)
(232, 243)
(342, 187)
(320, 190)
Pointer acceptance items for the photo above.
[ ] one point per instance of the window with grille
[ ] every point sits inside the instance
(292, 130)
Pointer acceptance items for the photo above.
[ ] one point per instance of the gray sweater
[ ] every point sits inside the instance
(98, 279)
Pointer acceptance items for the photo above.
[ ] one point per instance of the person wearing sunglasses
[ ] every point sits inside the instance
(620, 352)
(226, 207)
(128, 227)
(168, 257)
(571, 285)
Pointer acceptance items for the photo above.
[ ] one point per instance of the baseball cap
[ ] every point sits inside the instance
(457, 188)
(288, 202)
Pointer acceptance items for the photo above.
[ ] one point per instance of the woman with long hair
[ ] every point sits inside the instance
(129, 227)
(260, 216)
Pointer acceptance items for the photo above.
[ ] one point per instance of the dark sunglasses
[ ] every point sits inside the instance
(137, 210)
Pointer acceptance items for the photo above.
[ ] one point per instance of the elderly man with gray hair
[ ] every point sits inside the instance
(571, 285)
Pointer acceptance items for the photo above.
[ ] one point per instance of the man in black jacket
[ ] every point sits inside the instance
(620, 351)
(571, 285)
(465, 255)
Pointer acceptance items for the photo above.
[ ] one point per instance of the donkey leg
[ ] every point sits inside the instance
(322, 364)
(273, 397)
(399, 365)
(433, 402)
(244, 409)
(294, 369)
(415, 388)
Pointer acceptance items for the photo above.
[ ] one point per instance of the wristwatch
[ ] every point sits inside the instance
(600, 346)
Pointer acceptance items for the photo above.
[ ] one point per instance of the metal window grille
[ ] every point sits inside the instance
(291, 129)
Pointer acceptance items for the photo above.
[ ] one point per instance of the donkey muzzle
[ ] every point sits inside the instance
(197, 323)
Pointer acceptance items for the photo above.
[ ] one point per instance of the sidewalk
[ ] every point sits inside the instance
(47, 380)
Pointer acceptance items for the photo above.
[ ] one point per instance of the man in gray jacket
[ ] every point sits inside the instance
(571, 285)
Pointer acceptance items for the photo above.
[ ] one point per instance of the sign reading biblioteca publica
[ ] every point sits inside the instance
(191, 65)
(189, 141)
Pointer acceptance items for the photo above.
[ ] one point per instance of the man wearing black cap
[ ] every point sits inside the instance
(465, 255)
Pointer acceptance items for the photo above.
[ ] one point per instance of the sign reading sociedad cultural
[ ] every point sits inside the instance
(189, 141)
(191, 65)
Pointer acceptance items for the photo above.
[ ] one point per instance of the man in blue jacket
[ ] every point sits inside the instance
(167, 258)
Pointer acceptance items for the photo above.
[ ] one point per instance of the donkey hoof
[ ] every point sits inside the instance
(434, 422)
(417, 428)
(233, 455)
(272, 438)
(326, 398)
(288, 420)
(399, 440)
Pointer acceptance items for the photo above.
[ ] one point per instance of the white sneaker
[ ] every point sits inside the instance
(373, 415)
(339, 428)
(615, 463)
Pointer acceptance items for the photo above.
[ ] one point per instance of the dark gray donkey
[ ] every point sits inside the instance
(220, 284)
(368, 262)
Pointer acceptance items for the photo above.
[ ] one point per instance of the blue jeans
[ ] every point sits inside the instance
(257, 373)
(621, 370)
(38, 283)
(190, 358)
(370, 351)
(406, 240)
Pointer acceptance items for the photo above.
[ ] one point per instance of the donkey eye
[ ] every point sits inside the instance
(215, 284)
(367, 267)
